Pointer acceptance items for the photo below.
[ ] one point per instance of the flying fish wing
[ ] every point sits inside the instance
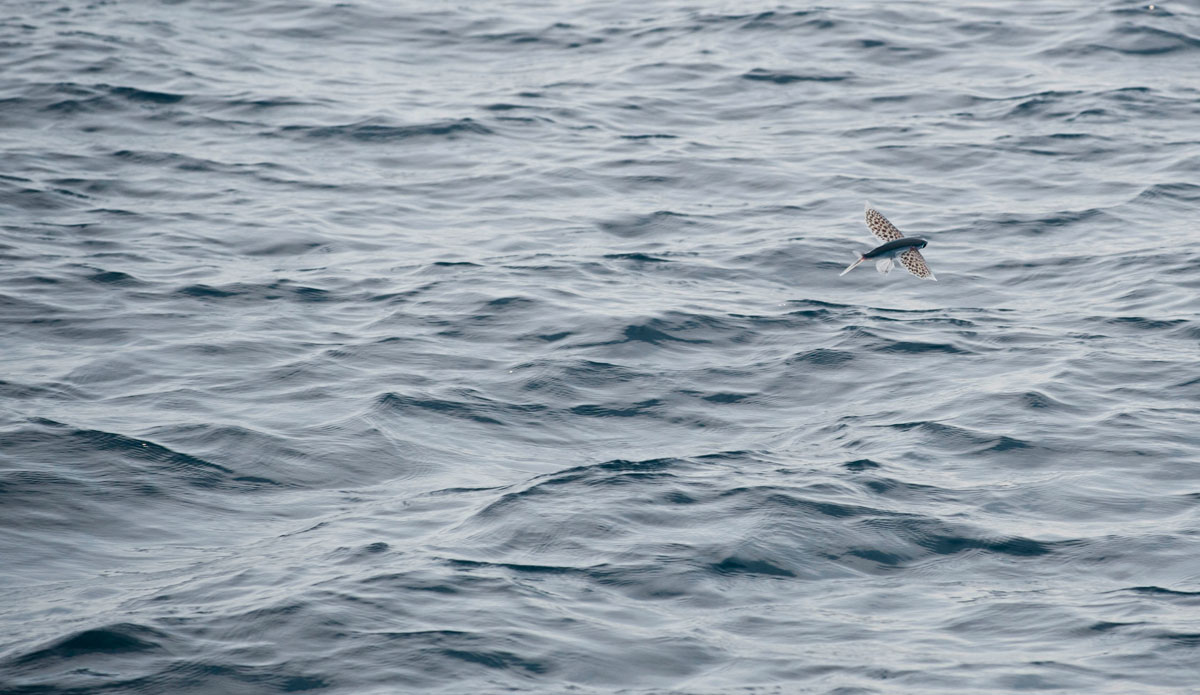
(882, 229)
(915, 263)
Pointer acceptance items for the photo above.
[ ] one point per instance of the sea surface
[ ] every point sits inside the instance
(480, 347)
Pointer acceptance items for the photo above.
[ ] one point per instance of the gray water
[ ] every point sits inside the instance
(481, 347)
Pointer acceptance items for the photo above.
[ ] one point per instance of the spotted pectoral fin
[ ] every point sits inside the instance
(915, 263)
(884, 265)
(878, 224)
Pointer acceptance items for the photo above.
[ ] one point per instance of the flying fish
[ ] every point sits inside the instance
(895, 248)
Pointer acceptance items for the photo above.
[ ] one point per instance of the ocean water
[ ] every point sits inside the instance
(478, 347)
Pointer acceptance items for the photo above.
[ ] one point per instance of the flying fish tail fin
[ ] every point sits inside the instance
(852, 266)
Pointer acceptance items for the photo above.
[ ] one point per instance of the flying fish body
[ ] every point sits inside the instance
(895, 248)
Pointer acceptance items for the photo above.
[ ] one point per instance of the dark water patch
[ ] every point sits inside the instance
(1140, 40)
(1177, 190)
(472, 407)
(746, 566)
(48, 391)
(609, 473)
(1049, 104)
(1005, 443)
(497, 660)
(255, 293)
(461, 490)
(662, 221)
(547, 40)
(596, 373)
(814, 20)
(945, 539)
(1105, 626)
(727, 397)
(763, 499)
(1082, 146)
(718, 456)
(812, 308)
(647, 334)
(636, 257)
(39, 199)
(669, 330)
(677, 497)
(179, 162)
(67, 99)
(115, 278)
(506, 303)
(1019, 547)
(146, 96)
(898, 489)
(822, 357)
(1184, 640)
(1158, 591)
(515, 567)
(643, 408)
(879, 557)
(915, 347)
(555, 337)
(1144, 323)
(1095, 116)
(427, 658)
(860, 465)
(256, 480)
(457, 409)
(783, 78)
(57, 328)
(622, 466)
(284, 248)
(1141, 11)
(21, 490)
(944, 321)
(205, 291)
(120, 459)
(369, 132)
(965, 440)
(248, 106)
(120, 638)
(406, 295)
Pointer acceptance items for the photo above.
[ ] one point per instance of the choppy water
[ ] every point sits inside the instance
(427, 347)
